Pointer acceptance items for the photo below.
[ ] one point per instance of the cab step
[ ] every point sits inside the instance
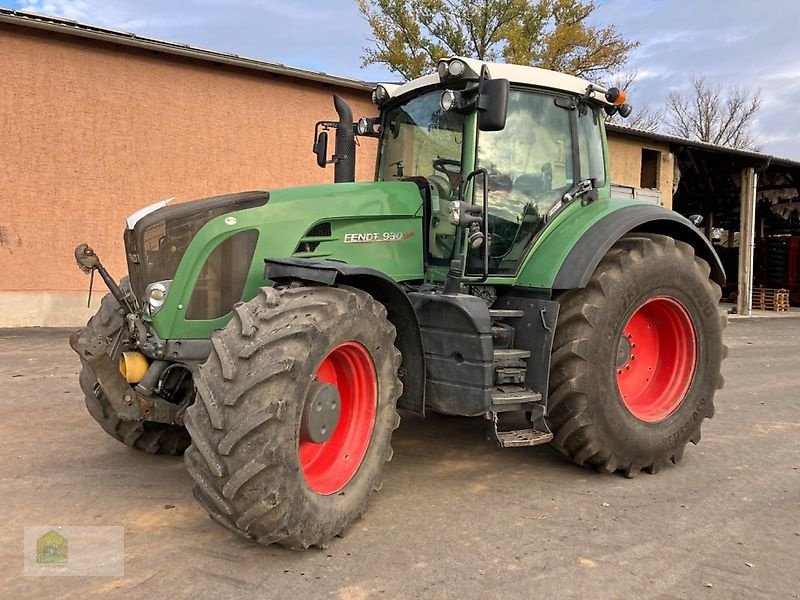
(503, 356)
(513, 395)
(522, 437)
(509, 375)
(506, 313)
(513, 438)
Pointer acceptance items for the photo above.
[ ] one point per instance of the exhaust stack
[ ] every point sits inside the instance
(344, 158)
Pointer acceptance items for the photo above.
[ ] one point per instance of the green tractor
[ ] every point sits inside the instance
(486, 272)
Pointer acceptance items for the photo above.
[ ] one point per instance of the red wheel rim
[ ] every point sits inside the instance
(656, 359)
(329, 466)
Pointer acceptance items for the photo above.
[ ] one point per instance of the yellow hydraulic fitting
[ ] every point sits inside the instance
(133, 366)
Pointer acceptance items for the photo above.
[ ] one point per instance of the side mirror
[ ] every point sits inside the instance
(321, 148)
(696, 220)
(493, 104)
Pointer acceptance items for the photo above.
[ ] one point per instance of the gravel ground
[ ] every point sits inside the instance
(457, 518)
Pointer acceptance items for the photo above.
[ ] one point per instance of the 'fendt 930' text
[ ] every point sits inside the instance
(386, 236)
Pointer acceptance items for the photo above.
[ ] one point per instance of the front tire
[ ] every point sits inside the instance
(636, 357)
(264, 466)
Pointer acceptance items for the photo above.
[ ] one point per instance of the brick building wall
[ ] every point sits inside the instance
(91, 132)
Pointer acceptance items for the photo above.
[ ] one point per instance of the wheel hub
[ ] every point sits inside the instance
(321, 413)
(656, 359)
(623, 351)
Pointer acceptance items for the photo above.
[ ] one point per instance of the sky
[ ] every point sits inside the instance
(731, 42)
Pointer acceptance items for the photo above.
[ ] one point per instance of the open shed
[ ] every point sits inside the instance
(749, 201)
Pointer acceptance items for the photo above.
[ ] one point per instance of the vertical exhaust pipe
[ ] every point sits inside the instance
(344, 159)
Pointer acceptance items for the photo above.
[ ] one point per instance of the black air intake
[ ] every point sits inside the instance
(344, 168)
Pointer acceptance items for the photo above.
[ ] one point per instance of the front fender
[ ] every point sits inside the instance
(385, 290)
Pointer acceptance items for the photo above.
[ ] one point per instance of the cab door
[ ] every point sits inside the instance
(530, 164)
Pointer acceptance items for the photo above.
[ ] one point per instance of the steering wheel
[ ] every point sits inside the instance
(451, 169)
(442, 164)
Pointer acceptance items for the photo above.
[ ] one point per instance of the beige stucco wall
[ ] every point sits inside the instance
(626, 163)
(91, 132)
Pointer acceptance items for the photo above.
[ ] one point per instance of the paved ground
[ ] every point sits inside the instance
(456, 518)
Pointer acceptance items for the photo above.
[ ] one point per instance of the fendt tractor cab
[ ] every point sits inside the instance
(487, 272)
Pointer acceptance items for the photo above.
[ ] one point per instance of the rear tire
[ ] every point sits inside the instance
(607, 409)
(153, 438)
(255, 472)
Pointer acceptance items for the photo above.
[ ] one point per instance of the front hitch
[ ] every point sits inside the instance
(127, 403)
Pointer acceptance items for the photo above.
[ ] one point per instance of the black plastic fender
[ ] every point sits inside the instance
(385, 290)
(587, 253)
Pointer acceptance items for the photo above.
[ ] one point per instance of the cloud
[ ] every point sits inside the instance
(734, 42)
(316, 34)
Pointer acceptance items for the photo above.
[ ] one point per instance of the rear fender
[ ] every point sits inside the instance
(593, 245)
(386, 291)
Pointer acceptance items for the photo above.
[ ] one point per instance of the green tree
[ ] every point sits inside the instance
(410, 36)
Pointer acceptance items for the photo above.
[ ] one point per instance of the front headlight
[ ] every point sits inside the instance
(155, 295)
(380, 95)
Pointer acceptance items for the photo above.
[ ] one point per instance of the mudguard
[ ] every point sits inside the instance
(592, 246)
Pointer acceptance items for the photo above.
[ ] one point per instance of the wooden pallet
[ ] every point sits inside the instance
(771, 299)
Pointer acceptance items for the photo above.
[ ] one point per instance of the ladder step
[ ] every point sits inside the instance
(503, 355)
(506, 375)
(513, 394)
(506, 313)
(522, 437)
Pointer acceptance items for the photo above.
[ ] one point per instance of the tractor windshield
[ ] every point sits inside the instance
(420, 139)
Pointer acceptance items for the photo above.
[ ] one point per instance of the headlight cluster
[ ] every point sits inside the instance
(156, 295)
(451, 68)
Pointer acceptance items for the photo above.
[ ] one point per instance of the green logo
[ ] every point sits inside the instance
(51, 549)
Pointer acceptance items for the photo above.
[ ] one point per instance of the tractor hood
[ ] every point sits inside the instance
(211, 252)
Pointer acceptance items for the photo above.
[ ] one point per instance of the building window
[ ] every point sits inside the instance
(651, 159)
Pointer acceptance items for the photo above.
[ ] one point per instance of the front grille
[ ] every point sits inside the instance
(320, 230)
(159, 240)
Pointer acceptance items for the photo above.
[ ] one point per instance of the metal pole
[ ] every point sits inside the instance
(747, 218)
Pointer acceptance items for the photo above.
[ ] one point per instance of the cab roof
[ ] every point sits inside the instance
(516, 74)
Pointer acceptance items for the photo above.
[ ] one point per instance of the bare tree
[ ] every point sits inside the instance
(710, 115)
(646, 119)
